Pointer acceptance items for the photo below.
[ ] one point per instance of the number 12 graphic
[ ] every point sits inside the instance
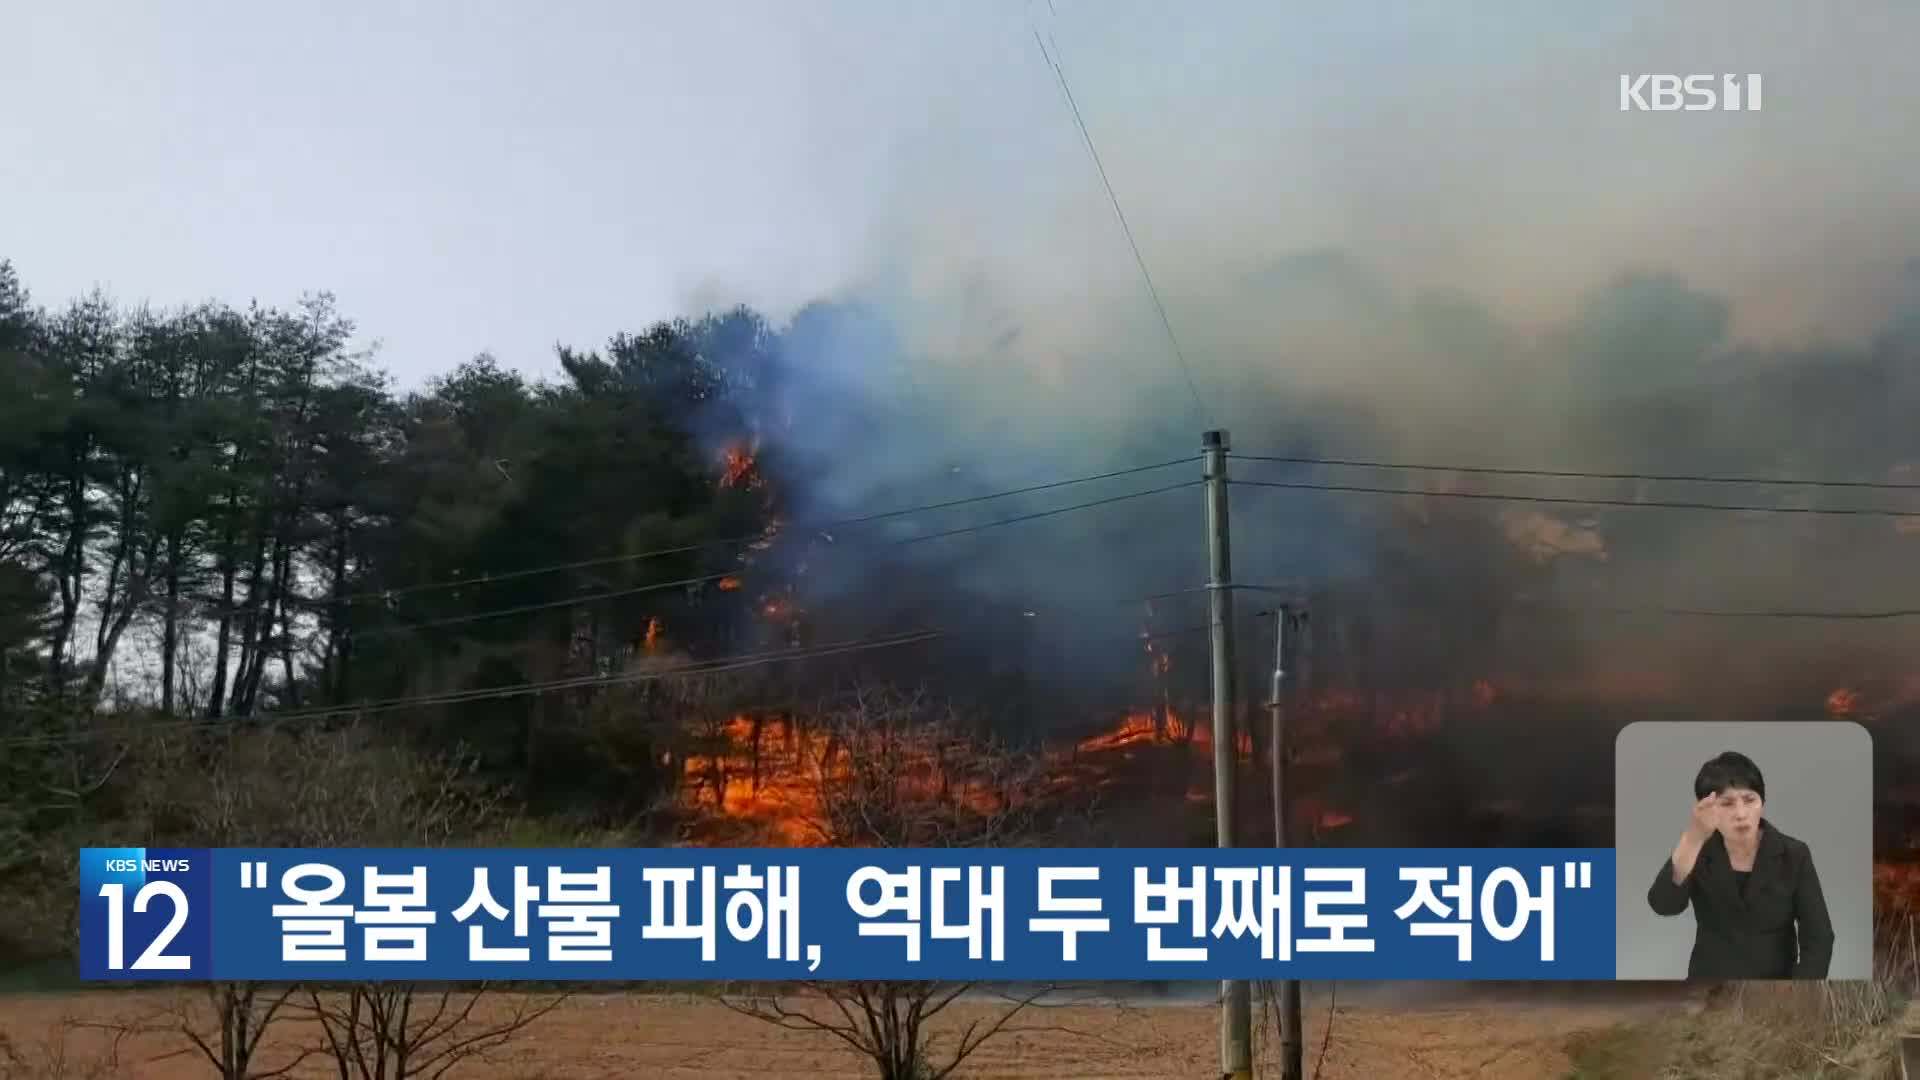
(155, 958)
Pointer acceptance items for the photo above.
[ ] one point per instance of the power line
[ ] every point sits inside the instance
(1080, 122)
(733, 541)
(753, 660)
(1642, 609)
(1713, 613)
(1051, 513)
(459, 697)
(1581, 474)
(569, 601)
(1838, 511)
(523, 609)
(687, 582)
(462, 697)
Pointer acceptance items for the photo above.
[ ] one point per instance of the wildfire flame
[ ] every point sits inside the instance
(1136, 729)
(729, 584)
(763, 779)
(739, 469)
(757, 777)
(1843, 703)
(654, 628)
(1203, 740)
(767, 780)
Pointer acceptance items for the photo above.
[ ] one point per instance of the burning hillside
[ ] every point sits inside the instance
(1434, 675)
(881, 769)
(1367, 768)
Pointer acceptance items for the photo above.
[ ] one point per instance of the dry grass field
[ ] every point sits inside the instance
(83, 1036)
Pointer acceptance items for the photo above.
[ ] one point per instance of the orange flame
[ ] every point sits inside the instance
(738, 468)
(1163, 727)
(762, 782)
(729, 584)
(653, 633)
(1843, 703)
(1134, 729)
(760, 785)
(1203, 740)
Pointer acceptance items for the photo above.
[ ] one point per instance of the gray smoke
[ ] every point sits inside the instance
(1433, 241)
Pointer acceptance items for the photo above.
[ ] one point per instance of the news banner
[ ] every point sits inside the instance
(1022, 915)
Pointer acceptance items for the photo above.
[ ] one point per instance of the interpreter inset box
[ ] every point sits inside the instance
(1745, 851)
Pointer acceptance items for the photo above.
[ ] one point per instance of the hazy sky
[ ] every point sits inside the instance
(500, 176)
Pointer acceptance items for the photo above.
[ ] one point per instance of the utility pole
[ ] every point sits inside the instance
(1236, 1016)
(1290, 1042)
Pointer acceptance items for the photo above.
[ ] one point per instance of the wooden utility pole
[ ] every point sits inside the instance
(1236, 1016)
(1290, 1042)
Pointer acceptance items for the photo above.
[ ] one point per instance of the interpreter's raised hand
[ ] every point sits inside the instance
(1705, 820)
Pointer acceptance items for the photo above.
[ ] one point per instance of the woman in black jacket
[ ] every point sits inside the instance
(1757, 906)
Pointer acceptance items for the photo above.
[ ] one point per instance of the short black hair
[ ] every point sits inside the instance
(1729, 770)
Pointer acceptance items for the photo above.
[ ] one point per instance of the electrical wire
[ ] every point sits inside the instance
(1186, 370)
(523, 609)
(841, 523)
(1838, 511)
(732, 541)
(1814, 614)
(569, 601)
(460, 697)
(1710, 613)
(1050, 513)
(1582, 474)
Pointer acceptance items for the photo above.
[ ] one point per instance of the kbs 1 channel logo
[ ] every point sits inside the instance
(1690, 93)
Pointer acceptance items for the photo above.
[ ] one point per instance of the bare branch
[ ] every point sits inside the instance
(970, 1041)
(770, 1010)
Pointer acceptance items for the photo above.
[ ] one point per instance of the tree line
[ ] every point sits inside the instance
(212, 516)
(214, 511)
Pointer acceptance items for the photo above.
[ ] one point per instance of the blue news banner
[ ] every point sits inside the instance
(1024, 915)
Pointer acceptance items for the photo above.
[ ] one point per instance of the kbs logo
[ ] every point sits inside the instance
(1691, 93)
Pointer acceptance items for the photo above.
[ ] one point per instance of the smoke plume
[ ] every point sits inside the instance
(1435, 242)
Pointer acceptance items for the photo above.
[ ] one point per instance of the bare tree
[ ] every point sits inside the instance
(57, 1058)
(403, 1031)
(230, 1038)
(310, 787)
(893, 769)
(886, 1022)
(345, 787)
